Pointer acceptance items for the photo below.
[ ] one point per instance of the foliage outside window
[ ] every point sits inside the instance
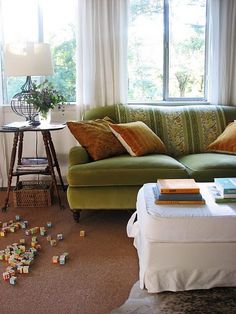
(166, 50)
(49, 21)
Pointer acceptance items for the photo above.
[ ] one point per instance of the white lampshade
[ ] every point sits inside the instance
(28, 59)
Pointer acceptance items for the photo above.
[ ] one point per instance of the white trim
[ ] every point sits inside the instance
(171, 103)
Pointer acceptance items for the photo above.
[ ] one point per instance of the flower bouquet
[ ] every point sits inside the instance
(45, 97)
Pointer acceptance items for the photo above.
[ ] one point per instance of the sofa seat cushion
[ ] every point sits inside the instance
(207, 166)
(126, 170)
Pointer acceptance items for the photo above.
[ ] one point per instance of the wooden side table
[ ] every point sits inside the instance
(17, 149)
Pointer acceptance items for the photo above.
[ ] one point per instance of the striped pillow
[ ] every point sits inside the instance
(137, 138)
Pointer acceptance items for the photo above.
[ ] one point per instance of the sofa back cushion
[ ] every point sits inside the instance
(183, 129)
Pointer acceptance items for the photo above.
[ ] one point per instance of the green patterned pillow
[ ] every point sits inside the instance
(183, 129)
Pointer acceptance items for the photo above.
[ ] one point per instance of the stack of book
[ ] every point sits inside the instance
(33, 165)
(17, 126)
(177, 191)
(224, 190)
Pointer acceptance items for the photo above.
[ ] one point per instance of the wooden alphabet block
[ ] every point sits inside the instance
(82, 233)
(55, 259)
(13, 280)
(6, 275)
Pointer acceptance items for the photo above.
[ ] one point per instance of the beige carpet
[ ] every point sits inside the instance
(212, 301)
(98, 276)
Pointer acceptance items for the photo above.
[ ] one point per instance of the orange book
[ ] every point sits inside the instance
(178, 186)
(161, 202)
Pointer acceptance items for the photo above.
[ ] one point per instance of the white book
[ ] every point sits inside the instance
(17, 126)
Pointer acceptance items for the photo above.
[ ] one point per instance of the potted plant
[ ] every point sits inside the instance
(45, 97)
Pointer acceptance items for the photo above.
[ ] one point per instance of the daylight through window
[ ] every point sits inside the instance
(167, 44)
(49, 21)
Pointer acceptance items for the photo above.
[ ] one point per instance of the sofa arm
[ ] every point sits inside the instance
(78, 155)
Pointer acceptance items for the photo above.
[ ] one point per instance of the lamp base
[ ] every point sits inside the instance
(27, 87)
(34, 123)
(20, 105)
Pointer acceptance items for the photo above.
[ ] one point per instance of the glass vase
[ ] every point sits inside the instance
(45, 118)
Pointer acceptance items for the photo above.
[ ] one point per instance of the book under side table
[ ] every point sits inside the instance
(16, 156)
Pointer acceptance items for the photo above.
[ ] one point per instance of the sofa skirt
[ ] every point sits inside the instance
(179, 265)
(185, 266)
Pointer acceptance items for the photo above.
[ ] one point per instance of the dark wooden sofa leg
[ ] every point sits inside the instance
(76, 215)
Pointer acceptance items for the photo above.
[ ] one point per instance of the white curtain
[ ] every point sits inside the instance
(3, 153)
(222, 52)
(102, 53)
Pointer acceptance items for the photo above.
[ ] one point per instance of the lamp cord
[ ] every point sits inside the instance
(36, 149)
(36, 145)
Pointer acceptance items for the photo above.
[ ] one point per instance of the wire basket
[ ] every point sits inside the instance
(33, 194)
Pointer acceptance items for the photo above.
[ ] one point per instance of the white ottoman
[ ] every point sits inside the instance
(184, 247)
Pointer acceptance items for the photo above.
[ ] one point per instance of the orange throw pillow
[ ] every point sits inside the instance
(226, 142)
(97, 138)
(138, 138)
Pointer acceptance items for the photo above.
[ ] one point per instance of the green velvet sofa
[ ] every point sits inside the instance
(186, 130)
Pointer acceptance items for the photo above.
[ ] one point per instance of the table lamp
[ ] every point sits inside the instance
(28, 59)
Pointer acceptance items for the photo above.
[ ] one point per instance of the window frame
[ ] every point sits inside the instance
(40, 36)
(165, 93)
(166, 35)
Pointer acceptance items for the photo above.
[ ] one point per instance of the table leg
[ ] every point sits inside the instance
(20, 149)
(10, 173)
(55, 160)
(45, 135)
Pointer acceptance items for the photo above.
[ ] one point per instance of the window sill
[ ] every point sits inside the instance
(72, 106)
(69, 107)
(171, 103)
(58, 116)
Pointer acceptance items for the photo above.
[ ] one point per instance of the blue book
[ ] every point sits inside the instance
(176, 196)
(226, 185)
(217, 196)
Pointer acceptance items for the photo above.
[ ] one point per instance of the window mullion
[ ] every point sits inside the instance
(40, 21)
(166, 51)
(3, 79)
(206, 52)
(40, 27)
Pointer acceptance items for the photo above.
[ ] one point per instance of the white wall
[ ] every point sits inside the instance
(63, 140)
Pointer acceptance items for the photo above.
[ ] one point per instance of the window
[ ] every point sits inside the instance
(166, 48)
(166, 51)
(59, 31)
(49, 21)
